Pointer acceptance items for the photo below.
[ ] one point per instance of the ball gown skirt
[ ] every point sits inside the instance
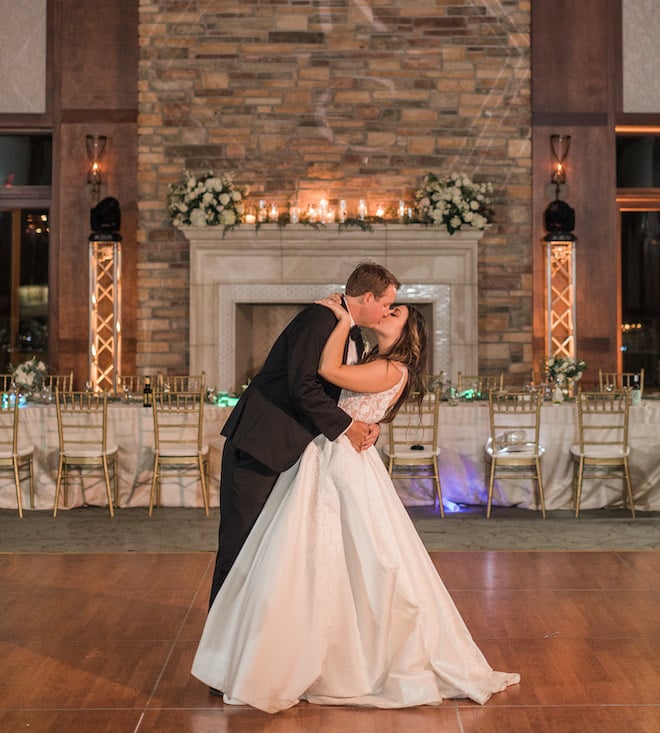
(334, 600)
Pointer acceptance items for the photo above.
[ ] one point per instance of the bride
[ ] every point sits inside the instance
(333, 598)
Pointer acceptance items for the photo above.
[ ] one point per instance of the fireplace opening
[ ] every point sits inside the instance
(258, 325)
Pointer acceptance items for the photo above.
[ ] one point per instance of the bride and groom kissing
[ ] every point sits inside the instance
(322, 589)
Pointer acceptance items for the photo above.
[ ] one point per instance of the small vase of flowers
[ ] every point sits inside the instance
(563, 372)
(30, 376)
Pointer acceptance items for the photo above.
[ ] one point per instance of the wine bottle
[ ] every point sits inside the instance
(147, 394)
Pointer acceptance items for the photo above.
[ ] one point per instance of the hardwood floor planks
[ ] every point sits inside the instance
(105, 642)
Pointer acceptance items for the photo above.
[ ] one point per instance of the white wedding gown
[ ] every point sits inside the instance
(334, 599)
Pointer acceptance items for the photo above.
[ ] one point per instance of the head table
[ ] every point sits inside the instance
(462, 435)
(464, 429)
(131, 429)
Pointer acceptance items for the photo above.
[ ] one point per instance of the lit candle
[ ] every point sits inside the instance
(311, 213)
(330, 216)
(262, 210)
(273, 212)
(380, 211)
(294, 210)
(362, 209)
(323, 207)
(402, 210)
(342, 211)
(250, 219)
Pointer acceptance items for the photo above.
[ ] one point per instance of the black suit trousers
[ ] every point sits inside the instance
(244, 488)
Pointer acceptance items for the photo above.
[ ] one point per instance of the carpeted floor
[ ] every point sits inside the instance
(175, 529)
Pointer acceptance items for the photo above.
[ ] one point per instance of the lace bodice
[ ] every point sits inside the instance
(369, 406)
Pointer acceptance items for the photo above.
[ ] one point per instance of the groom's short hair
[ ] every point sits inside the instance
(369, 277)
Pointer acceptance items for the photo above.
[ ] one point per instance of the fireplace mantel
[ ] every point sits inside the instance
(298, 264)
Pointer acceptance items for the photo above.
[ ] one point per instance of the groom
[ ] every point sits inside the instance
(287, 405)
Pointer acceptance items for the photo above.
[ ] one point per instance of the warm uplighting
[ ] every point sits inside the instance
(95, 146)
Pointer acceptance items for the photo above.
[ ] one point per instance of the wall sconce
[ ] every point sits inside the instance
(559, 146)
(95, 145)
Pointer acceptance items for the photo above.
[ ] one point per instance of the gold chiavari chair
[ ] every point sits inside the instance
(61, 382)
(512, 449)
(480, 385)
(82, 425)
(181, 382)
(602, 449)
(130, 385)
(179, 441)
(15, 457)
(6, 382)
(413, 442)
(609, 381)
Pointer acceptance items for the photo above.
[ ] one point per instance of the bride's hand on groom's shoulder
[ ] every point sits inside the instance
(334, 303)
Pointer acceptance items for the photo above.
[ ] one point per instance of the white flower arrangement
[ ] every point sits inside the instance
(560, 369)
(455, 201)
(206, 200)
(30, 375)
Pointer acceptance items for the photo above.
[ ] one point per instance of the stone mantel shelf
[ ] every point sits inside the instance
(382, 237)
(298, 264)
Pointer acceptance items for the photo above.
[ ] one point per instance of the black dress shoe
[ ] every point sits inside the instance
(216, 693)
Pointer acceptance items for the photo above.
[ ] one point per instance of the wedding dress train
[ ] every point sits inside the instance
(334, 599)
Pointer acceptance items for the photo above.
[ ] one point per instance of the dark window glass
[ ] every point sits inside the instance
(25, 160)
(638, 161)
(640, 273)
(23, 285)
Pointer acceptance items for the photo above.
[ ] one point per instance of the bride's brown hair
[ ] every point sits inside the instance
(408, 349)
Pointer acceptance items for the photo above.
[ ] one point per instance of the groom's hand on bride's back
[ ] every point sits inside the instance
(358, 433)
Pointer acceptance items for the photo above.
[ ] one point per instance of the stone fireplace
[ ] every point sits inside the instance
(246, 285)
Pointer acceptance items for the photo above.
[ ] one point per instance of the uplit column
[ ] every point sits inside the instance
(104, 310)
(560, 294)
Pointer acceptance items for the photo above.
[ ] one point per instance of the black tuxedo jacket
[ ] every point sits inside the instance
(287, 404)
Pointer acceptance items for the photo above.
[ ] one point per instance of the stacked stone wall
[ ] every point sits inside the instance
(339, 100)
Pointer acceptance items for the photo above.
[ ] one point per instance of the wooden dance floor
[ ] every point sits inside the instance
(104, 642)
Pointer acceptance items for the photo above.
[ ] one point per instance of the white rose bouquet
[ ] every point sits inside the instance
(30, 375)
(206, 200)
(454, 201)
(560, 369)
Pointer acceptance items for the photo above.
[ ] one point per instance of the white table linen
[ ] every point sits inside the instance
(464, 430)
(463, 433)
(130, 427)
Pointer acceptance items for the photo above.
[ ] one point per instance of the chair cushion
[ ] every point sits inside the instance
(90, 452)
(183, 451)
(22, 452)
(403, 453)
(600, 451)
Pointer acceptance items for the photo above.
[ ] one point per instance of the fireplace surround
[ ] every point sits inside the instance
(286, 267)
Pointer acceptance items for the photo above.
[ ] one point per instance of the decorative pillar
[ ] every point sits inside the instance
(104, 310)
(560, 294)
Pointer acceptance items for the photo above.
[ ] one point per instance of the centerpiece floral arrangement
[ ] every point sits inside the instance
(30, 375)
(560, 369)
(206, 200)
(455, 201)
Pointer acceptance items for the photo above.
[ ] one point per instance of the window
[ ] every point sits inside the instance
(638, 197)
(25, 177)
